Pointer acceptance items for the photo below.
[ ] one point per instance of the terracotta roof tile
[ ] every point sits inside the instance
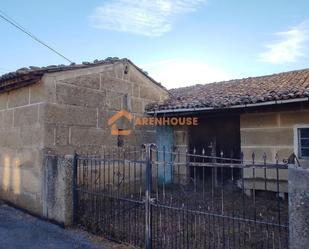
(282, 86)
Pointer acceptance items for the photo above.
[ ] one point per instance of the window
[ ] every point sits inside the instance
(120, 139)
(303, 143)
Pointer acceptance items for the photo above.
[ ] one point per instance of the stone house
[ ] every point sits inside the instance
(59, 110)
(65, 109)
(268, 114)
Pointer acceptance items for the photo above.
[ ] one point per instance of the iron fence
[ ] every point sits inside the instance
(162, 198)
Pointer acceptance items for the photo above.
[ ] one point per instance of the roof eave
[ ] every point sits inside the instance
(19, 82)
(198, 109)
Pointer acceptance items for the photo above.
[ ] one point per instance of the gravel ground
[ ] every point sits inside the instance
(20, 230)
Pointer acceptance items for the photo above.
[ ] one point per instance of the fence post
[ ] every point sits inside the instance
(75, 194)
(148, 225)
(298, 207)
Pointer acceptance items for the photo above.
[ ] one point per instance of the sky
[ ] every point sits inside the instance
(178, 42)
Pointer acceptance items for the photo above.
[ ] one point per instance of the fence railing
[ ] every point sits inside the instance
(162, 198)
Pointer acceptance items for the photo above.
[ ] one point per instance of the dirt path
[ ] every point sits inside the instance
(19, 230)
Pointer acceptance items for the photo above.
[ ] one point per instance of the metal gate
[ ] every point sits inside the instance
(161, 198)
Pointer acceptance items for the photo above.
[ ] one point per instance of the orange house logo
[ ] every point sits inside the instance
(112, 121)
(173, 121)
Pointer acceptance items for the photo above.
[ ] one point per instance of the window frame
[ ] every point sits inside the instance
(297, 141)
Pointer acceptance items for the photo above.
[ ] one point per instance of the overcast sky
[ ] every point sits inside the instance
(178, 42)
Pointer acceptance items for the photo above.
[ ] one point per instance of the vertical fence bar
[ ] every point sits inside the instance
(266, 198)
(278, 190)
(75, 194)
(148, 226)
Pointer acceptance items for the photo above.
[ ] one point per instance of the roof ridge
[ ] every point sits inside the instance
(32, 74)
(73, 65)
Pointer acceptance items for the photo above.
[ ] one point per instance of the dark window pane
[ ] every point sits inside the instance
(304, 142)
(304, 132)
(120, 139)
(305, 152)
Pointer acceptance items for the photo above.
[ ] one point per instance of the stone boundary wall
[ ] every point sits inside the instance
(298, 208)
(58, 188)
